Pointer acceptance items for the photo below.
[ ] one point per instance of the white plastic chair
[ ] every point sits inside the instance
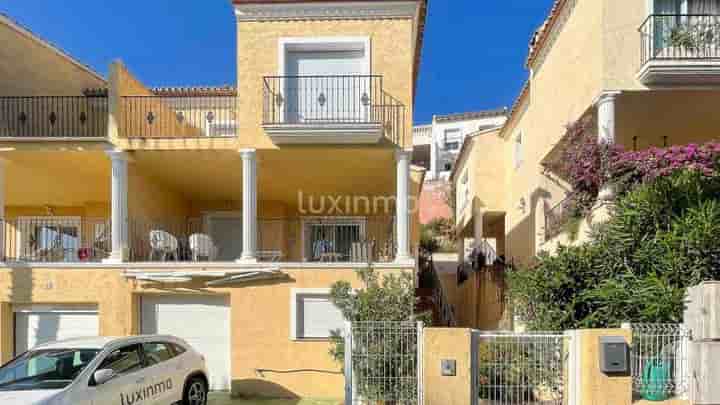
(202, 245)
(164, 244)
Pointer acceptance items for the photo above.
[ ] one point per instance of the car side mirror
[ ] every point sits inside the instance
(103, 376)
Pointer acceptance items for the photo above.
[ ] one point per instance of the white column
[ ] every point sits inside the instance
(249, 226)
(119, 207)
(606, 130)
(402, 206)
(2, 210)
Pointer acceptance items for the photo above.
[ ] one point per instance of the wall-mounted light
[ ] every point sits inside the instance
(522, 205)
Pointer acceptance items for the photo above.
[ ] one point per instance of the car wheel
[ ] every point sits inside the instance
(195, 392)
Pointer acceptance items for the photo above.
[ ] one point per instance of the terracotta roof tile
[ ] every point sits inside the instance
(195, 91)
(541, 34)
(472, 115)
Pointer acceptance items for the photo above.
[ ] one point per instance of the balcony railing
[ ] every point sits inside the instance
(557, 217)
(53, 117)
(56, 239)
(680, 37)
(178, 117)
(86, 240)
(323, 240)
(332, 100)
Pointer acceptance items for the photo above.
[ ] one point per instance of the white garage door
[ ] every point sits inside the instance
(35, 325)
(202, 321)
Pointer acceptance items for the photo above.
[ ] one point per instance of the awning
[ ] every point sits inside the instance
(220, 278)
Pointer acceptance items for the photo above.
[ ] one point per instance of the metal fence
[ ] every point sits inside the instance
(178, 117)
(53, 117)
(659, 360)
(382, 363)
(519, 369)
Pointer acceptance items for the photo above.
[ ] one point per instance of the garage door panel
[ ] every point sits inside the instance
(203, 321)
(34, 328)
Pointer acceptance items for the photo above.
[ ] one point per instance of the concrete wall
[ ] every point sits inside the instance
(450, 344)
(480, 302)
(32, 67)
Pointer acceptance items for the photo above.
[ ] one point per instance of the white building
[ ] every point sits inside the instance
(446, 135)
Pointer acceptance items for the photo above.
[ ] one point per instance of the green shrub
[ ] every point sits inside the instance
(661, 239)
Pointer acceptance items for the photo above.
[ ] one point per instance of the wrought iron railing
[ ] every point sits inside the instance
(312, 100)
(55, 239)
(53, 117)
(178, 117)
(659, 360)
(219, 239)
(683, 37)
(557, 217)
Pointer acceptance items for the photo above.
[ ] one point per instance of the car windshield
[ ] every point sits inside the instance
(45, 369)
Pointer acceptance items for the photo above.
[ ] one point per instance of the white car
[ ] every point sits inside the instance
(139, 370)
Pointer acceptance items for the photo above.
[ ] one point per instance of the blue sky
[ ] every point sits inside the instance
(472, 59)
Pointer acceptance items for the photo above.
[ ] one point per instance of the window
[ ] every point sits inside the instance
(45, 369)
(124, 360)
(518, 156)
(156, 353)
(452, 139)
(177, 349)
(313, 315)
(332, 239)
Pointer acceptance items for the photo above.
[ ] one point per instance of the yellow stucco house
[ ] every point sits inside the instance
(221, 215)
(619, 64)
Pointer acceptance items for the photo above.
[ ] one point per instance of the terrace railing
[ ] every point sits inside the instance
(55, 239)
(680, 37)
(53, 117)
(332, 100)
(178, 117)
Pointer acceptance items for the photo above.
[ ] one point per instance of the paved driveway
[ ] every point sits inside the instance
(224, 399)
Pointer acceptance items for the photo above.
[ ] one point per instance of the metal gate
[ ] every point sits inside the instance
(382, 363)
(519, 369)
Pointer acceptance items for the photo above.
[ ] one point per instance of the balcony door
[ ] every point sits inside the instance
(225, 229)
(326, 87)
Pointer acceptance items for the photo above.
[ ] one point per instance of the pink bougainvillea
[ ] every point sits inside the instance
(647, 165)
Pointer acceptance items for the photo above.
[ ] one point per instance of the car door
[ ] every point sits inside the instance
(164, 373)
(129, 384)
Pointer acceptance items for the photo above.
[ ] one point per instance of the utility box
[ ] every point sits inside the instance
(614, 355)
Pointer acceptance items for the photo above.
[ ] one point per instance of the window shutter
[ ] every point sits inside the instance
(317, 316)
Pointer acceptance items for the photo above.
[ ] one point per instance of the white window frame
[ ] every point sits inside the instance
(304, 222)
(320, 44)
(295, 295)
(518, 144)
(23, 222)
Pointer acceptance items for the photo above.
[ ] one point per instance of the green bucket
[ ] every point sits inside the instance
(655, 374)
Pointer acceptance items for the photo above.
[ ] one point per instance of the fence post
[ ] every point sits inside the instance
(573, 368)
(348, 364)
(419, 357)
(474, 368)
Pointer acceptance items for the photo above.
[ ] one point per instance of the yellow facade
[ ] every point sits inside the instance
(586, 50)
(180, 175)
